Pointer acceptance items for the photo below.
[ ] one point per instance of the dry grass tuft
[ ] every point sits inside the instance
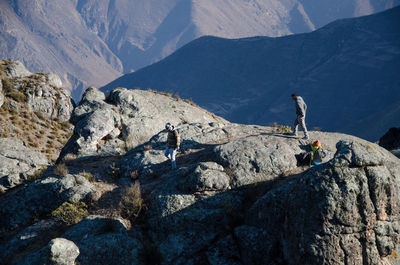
(61, 170)
(131, 203)
(147, 147)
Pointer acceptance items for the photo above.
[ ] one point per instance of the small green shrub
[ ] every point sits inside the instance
(71, 213)
(114, 172)
(88, 176)
(283, 129)
(37, 174)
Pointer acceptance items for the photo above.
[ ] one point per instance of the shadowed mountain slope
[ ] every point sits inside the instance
(88, 42)
(346, 72)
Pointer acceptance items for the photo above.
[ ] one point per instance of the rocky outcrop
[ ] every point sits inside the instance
(22, 240)
(17, 162)
(126, 119)
(54, 80)
(59, 251)
(391, 141)
(41, 197)
(42, 93)
(51, 101)
(15, 69)
(104, 241)
(214, 191)
(344, 212)
(237, 197)
(186, 216)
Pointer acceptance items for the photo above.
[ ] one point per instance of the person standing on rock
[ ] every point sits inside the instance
(173, 143)
(301, 108)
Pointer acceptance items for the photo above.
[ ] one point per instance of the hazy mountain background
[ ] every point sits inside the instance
(347, 72)
(90, 42)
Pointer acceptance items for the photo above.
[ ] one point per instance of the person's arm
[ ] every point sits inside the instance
(178, 139)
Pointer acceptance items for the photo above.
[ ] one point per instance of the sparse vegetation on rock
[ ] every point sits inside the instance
(71, 213)
(33, 110)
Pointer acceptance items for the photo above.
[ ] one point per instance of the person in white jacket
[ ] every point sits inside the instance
(301, 109)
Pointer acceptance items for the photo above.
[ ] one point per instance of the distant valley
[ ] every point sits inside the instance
(89, 42)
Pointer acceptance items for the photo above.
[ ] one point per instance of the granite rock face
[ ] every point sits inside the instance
(263, 157)
(17, 162)
(17, 69)
(125, 119)
(41, 197)
(104, 240)
(344, 212)
(43, 93)
(183, 223)
(59, 251)
(51, 101)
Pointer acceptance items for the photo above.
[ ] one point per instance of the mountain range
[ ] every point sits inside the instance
(347, 73)
(89, 42)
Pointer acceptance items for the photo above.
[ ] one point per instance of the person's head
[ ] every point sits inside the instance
(317, 143)
(169, 127)
(294, 97)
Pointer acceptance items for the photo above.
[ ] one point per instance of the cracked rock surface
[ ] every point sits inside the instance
(344, 212)
(17, 162)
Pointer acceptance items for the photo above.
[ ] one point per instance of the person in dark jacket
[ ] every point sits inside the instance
(301, 109)
(173, 143)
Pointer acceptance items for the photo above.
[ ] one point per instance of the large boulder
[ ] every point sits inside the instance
(50, 101)
(145, 113)
(41, 197)
(346, 211)
(73, 188)
(263, 157)
(54, 80)
(59, 251)
(104, 240)
(21, 241)
(187, 212)
(17, 162)
(42, 93)
(16, 69)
